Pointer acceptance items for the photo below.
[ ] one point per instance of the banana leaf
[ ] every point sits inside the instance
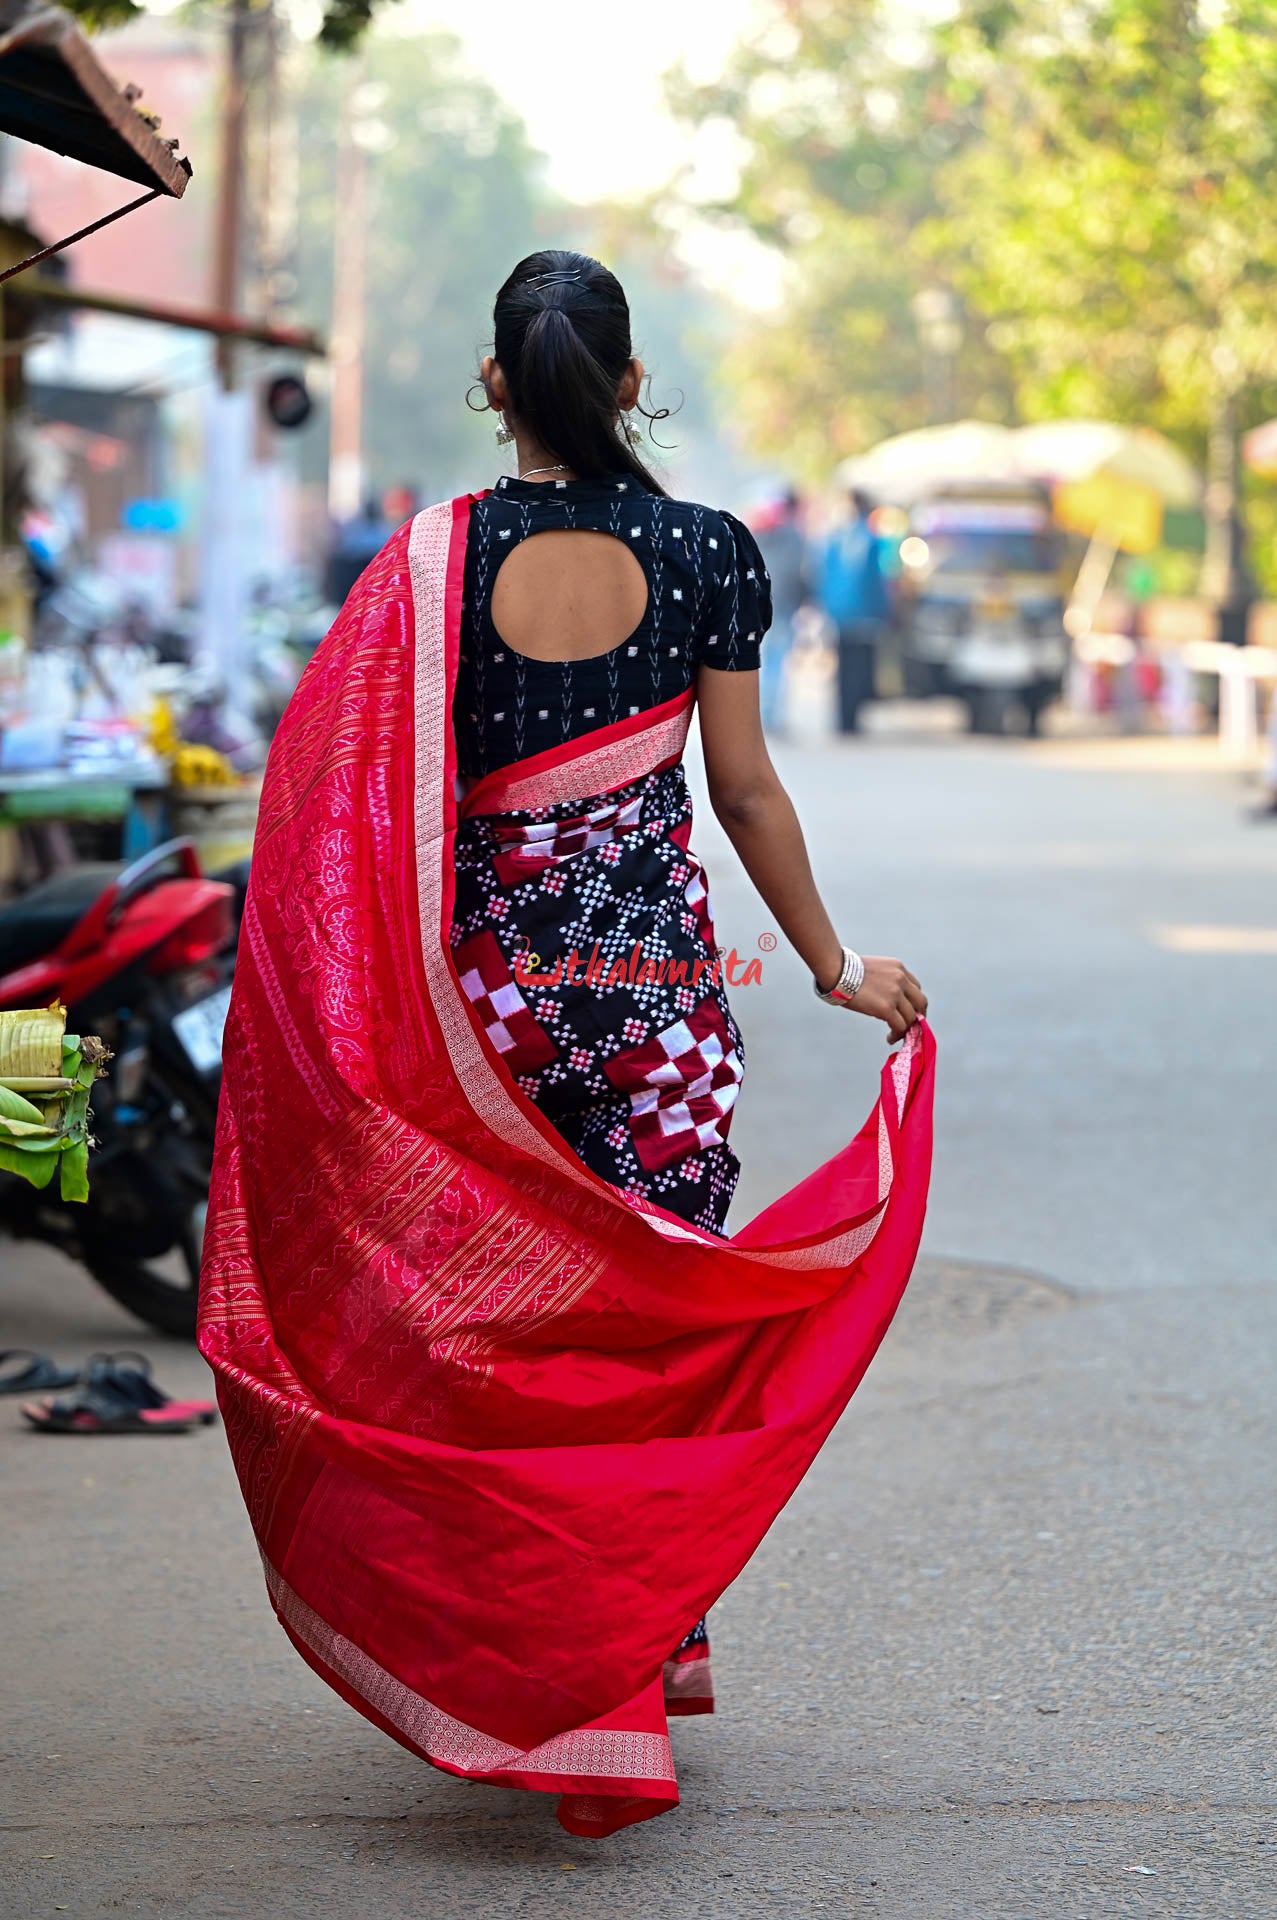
(38, 1056)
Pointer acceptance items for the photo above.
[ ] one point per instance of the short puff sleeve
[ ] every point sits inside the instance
(739, 610)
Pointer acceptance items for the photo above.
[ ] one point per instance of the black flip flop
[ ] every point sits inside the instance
(97, 1410)
(128, 1375)
(118, 1398)
(40, 1375)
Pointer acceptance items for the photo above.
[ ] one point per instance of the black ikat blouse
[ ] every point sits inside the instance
(708, 604)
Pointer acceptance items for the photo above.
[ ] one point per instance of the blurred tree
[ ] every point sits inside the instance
(1017, 207)
(843, 118)
(341, 27)
(454, 199)
(1114, 219)
(680, 332)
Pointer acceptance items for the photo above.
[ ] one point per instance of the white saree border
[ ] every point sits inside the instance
(484, 1082)
(589, 1753)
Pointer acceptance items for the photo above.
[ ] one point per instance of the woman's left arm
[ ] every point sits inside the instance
(758, 818)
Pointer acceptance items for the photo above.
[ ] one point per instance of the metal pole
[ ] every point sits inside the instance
(230, 204)
(4, 432)
(47, 253)
(228, 421)
(345, 446)
(1221, 496)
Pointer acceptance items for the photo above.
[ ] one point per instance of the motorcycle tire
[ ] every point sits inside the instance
(165, 1305)
(143, 1210)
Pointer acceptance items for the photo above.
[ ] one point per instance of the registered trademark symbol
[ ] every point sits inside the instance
(767, 941)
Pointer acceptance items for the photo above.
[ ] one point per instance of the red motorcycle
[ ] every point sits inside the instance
(142, 955)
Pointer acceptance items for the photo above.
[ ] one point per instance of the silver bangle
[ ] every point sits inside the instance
(848, 983)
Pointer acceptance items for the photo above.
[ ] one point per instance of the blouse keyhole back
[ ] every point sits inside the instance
(708, 604)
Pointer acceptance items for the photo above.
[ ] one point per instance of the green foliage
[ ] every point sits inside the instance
(1113, 220)
(95, 15)
(36, 1168)
(344, 22)
(846, 127)
(37, 1141)
(1089, 183)
(14, 1106)
(1259, 510)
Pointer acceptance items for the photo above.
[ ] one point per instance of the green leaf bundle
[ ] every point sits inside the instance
(46, 1077)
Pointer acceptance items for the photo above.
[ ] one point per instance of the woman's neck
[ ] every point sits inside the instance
(536, 462)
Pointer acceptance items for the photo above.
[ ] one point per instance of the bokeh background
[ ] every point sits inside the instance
(837, 220)
(969, 307)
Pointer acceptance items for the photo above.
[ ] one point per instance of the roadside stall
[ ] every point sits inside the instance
(68, 752)
(138, 949)
(99, 755)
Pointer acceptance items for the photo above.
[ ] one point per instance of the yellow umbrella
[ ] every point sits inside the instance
(1124, 514)
(1107, 480)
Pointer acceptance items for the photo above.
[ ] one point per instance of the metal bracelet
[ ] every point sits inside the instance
(847, 985)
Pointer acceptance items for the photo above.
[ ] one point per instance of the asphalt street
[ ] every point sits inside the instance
(1009, 1651)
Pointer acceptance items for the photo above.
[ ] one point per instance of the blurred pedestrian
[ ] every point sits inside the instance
(853, 593)
(356, 542)
(1267, 808)
(783, 545)
(510, 1409)
(401, 501)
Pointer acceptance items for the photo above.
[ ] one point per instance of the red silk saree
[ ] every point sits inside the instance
(474, 1393)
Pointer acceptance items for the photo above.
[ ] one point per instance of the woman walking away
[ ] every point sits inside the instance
(509, 1411)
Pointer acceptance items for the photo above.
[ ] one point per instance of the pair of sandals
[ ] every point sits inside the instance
(114, 1393)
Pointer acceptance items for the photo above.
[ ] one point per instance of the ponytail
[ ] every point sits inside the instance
(562, 327)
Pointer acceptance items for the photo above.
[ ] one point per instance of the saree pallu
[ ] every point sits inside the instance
(475, 1392)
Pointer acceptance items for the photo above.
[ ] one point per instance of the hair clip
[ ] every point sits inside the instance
(561, 277)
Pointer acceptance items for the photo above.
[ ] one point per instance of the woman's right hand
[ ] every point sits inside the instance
(891, 993)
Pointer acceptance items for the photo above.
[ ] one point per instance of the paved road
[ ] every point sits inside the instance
(1012, 1639)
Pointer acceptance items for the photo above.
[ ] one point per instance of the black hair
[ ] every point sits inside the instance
(562, 339)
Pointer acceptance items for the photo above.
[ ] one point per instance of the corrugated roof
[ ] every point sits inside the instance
(55, 92)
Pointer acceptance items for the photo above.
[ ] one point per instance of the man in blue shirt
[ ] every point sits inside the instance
(854, 594)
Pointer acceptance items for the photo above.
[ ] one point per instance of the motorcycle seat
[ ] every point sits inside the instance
(40, 919)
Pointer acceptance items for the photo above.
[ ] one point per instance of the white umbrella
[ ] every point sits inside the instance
(1069, 450)
(909, 464)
